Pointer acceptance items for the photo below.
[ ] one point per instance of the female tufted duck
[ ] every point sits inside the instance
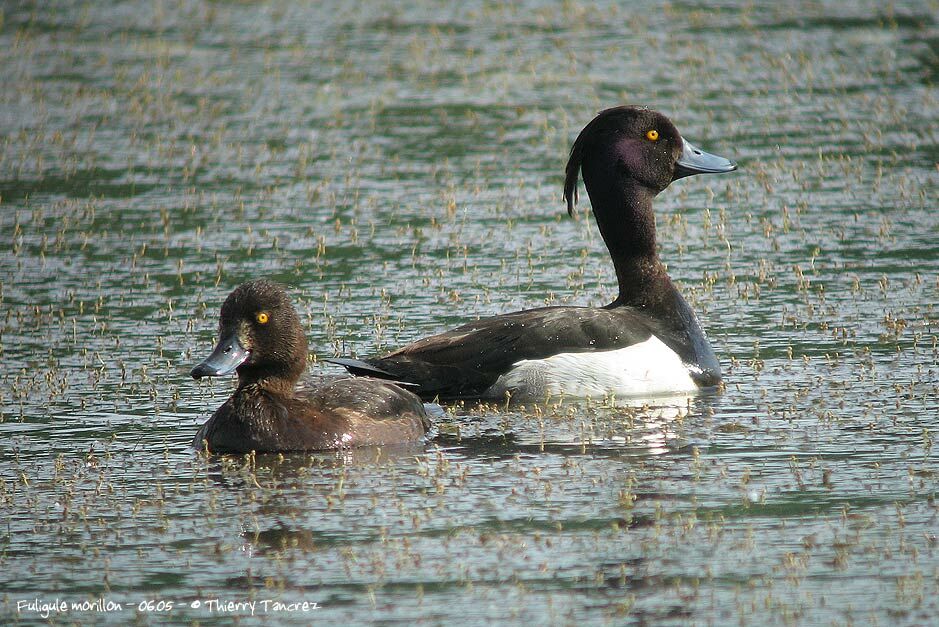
(646, 342)
(260, 336)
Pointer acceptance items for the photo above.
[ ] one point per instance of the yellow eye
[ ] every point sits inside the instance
(262, 318)
(652, 135)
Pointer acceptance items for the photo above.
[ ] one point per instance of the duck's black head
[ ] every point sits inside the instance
(260, 336)
(635, 144)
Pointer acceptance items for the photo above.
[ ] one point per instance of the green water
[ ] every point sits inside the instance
(400, 168)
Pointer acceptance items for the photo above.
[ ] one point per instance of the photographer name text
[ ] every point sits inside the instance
(103, 605)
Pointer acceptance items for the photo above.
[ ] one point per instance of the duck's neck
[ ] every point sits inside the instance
(623, 209)
(281, 384)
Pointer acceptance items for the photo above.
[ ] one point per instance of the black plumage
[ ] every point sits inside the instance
(626, 156)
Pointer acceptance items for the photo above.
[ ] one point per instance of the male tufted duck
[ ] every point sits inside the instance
(646, 342)
(261, 338)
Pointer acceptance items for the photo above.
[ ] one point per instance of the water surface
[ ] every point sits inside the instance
(400, 168)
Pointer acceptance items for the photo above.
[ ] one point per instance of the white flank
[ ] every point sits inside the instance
(643, 369)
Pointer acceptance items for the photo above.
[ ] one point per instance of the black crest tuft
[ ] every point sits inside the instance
(572, 170)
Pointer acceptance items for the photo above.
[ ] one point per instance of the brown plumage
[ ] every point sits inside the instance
(260, 337)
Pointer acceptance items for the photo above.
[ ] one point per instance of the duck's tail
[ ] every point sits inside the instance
(359, 368)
